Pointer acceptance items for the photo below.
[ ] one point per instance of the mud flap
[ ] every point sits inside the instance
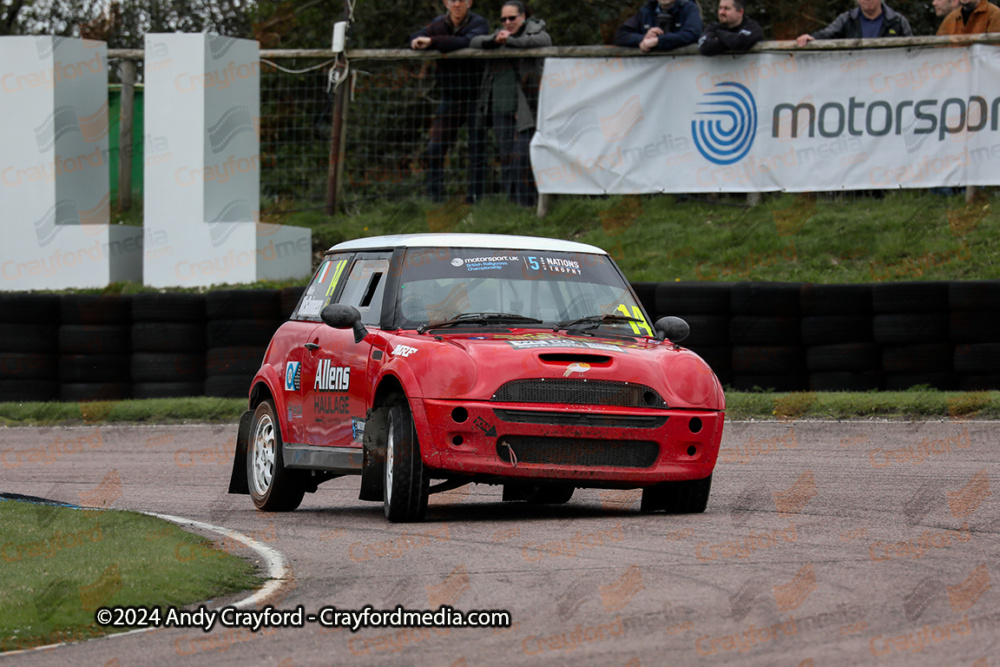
(238, 480)
(373, 461)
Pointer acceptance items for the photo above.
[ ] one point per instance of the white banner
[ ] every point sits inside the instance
(887, 118)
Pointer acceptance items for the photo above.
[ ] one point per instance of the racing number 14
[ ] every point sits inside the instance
(637, 314)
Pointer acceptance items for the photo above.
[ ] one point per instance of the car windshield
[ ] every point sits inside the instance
(440, 285)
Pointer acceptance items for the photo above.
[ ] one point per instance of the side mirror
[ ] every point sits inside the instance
(673, 329)
(340, 316)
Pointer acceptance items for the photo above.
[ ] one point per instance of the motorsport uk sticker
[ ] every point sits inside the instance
(484, 263)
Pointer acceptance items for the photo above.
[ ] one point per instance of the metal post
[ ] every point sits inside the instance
(126, 113)
(336, 170)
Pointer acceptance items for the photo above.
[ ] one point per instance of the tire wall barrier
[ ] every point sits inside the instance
(781, 336)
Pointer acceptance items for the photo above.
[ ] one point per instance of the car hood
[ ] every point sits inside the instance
(474, 366)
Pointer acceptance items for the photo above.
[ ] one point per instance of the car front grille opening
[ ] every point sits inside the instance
(578, 452)
(580, 392)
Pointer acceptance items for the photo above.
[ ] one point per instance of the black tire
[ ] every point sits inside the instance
(228, 386)
(167, 389)
(406, 483)
(688, 497)
(970, 326)
(241, 333)
(911, 328)
(835, 300)
(94, 339)
(751, 382)
(168, 367)
(768, 359)
(699, 298)
(778, 299)
(272, 487)
(547, 495)
(974, 295)
(243, 305)
(910, 297)
(753, 330)
(926, 358)
(706, 329)
(839, 381)
(833, 329)
(289, 298)
(22, 391)
(28, 366)
(96, 309)
(25, 308)
(95, 368)
(29, 338)
(168, 307)
(168, 337)
(84, 392)
(234, 360)
(844, 357)
(979, 359)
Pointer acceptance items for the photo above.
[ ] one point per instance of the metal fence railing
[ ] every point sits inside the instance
(314, 156)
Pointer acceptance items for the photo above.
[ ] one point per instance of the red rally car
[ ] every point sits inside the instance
(459, 358)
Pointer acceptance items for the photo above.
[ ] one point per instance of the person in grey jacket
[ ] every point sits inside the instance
(871, 18)
(510, 91)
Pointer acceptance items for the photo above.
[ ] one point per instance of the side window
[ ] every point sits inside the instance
(364, 288)
(321, 290)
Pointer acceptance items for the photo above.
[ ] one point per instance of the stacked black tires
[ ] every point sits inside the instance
(705, 307)
(168, 345)
(29, 347)
(94, 347)
(240, 326)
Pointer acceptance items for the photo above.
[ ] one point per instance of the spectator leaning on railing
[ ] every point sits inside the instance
(510, 92)
(971, 18)
(871, 18)
(458, 84)
(662, 25)
(734, 32)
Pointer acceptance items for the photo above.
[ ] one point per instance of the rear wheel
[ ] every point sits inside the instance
(272, 487)
(405, 489)
(687, 497)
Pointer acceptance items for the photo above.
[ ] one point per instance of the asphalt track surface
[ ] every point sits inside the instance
(824, 543)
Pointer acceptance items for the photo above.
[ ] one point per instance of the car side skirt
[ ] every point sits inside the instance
(340, 460)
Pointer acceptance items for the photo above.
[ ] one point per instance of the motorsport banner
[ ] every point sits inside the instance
(851, 120)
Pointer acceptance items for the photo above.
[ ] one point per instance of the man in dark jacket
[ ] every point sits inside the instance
(458, 83)
(734, 31)
(871, 18)
(661, 25)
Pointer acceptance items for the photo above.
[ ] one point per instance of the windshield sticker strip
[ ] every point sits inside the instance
(323, 270)
(529, 344)
(336, 277)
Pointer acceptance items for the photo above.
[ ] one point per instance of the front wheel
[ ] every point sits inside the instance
(405, 489)
(272, 487)
(687, 497)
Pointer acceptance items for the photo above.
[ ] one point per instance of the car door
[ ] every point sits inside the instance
(336, 397)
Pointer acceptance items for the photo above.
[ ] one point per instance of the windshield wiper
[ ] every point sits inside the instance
(479, 318)
(592, 322)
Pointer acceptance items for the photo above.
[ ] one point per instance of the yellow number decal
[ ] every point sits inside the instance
(637, 314)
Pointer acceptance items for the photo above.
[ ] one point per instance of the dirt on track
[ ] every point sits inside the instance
(824, 543)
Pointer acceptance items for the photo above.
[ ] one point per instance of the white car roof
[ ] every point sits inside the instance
(499, 241)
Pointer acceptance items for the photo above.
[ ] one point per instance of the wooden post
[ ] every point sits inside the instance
(970, 193)
(335, 173)
(126, 114)
(544, 204)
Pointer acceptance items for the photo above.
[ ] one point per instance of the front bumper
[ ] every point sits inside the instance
(575, 443)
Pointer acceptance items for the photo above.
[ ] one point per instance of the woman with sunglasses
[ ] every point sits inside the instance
(510, 91)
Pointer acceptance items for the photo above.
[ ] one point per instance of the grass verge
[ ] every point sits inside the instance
(915, 403)
(61, 564)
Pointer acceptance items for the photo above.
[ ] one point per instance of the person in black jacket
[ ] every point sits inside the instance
(734, 31)
(871, 18)
(661, 25)
(458, 83)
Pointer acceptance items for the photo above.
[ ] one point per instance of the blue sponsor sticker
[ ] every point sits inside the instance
(293, 376)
